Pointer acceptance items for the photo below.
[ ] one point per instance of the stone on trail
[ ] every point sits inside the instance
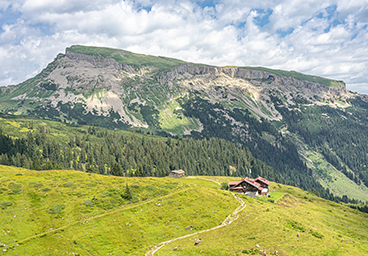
(197, 241)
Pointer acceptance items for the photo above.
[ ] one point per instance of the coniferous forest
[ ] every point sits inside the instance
(108, 152)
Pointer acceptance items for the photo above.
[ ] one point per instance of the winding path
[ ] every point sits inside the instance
(229, 219)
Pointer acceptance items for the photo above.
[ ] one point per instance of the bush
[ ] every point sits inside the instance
(56, 209)
(88, 202)
(315, 234)
(294, 225)
(4, 205)
(224, 186)
(251, 251)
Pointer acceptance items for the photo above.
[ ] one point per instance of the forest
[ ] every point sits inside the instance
(107, 152)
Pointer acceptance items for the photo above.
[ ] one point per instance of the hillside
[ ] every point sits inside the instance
(66, 212)
(303, 126)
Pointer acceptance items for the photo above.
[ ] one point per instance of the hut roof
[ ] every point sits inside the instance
(178, 171)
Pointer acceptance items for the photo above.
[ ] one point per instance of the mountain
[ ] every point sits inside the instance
(311, 129)
(77, 213)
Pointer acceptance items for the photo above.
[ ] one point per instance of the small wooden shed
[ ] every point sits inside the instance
(176, 174)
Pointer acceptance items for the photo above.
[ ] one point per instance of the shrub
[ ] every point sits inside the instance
(4, 205)
(56, 209)
(251, 251)
(294, 225)
(315, 234)
(88, 202)
(224, 186)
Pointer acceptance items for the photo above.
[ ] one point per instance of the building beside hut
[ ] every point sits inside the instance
(250, 187)
(176, 174)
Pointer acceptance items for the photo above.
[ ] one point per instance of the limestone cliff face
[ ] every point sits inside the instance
(283, 82)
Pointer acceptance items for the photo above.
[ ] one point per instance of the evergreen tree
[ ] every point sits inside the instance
(127, 194)
(116, 170)
(35, 164)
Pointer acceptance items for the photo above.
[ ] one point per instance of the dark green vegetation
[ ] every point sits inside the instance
(339, 134)
(44, 145)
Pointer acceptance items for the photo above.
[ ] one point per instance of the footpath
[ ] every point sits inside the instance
(229, 219)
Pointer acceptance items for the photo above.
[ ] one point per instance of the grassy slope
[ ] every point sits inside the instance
(270, 226)
(300, 76)
(129, 58)
(336, 181)
(327, 175)
(112, 225)
(55, 212)
(19, 126)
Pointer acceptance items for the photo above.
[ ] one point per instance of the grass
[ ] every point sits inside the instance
(129, 58)
(336, 181)
(59, 212)
(19, 126)
(300, 76)
(65, 212)
(299, 223)
(171, 120)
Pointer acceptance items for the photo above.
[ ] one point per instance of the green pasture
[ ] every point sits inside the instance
(64, 212)
(297, 223)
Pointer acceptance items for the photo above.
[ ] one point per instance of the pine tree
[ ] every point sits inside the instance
(127, 193)
(36, 164)
(116, 170)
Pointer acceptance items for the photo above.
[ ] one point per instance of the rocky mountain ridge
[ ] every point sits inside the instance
(82, 74)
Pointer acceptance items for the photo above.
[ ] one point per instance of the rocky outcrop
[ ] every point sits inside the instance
(250, 74)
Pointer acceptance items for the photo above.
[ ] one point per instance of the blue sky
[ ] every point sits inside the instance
(325, 38)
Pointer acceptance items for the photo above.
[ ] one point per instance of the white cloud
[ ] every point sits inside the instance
(224, 33)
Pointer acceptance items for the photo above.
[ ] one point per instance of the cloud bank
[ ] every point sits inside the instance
(325, 38)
